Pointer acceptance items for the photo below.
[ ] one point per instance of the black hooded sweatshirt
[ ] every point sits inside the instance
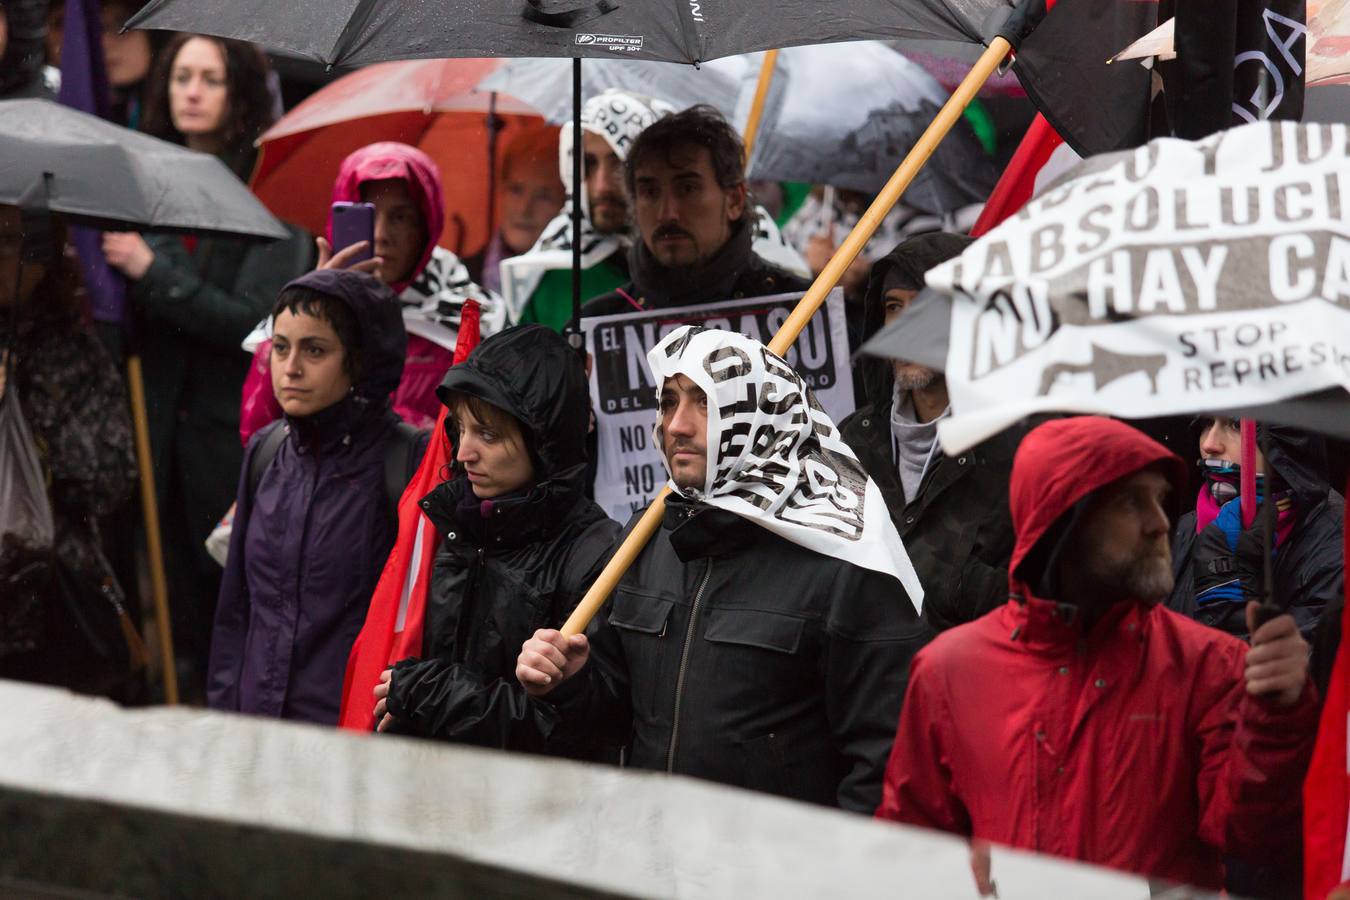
(511, 565)
(1309, 573)
(957, 531)
(733, 272)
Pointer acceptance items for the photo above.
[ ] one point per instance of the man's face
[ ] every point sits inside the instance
(684, 215)
(909, 376)
(400, 232)
(531, 195)
(1122, 542)
(602, 171)
(1222, 439)
(684, 429)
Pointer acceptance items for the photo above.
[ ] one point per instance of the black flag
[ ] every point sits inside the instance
(1237, 61)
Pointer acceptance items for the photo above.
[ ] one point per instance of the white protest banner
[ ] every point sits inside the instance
(630, 472)
(1178, 277)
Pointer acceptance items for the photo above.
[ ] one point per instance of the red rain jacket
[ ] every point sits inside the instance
(1134, 745)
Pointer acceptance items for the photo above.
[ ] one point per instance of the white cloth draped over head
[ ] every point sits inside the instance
(776, 458)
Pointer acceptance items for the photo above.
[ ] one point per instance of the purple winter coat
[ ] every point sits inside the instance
(308, 547)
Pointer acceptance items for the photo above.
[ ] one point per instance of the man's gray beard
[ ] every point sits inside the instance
(915, 381)
(1147, 578)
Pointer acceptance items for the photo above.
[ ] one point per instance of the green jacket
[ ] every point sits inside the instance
(551, 302)
(195, 311)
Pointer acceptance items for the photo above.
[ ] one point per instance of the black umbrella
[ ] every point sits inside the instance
(356, 32)
(103, 175)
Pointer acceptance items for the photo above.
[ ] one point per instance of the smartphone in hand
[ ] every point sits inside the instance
(353, 223)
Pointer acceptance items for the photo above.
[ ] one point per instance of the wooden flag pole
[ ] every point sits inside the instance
(159, 587)
(946, 118)
(766, 70)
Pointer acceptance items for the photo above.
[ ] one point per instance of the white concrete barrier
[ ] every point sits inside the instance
(177, 802)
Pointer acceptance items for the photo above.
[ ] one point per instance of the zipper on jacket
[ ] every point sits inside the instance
(684, 663)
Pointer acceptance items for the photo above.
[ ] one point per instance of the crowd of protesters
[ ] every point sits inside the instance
(1063, 657)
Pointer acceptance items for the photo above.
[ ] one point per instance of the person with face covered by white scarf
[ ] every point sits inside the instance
(763, 636)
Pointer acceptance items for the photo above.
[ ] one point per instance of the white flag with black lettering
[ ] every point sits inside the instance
(1178, 277)
(775, 457)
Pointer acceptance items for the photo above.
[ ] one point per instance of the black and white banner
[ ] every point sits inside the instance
(1178, 277)
(623, 392)
(775, 456)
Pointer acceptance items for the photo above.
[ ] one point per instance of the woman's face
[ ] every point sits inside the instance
(309, 372)
(11, 243)
(198, 93)
(493, 457)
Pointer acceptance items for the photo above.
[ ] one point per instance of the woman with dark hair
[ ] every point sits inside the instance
(522, 544)
(198, 298)
(312, 530)
(62, 615)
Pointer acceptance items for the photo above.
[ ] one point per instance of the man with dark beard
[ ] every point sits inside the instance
(686, 177)
(951, 512)
(1106, 728)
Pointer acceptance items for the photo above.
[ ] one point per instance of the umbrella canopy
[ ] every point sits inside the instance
(546, 84)
(100, 174)
(846, 114)
(357, 32)
(1181, 277)
(430, 104)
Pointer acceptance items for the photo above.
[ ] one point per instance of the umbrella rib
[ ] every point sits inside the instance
(356, 23)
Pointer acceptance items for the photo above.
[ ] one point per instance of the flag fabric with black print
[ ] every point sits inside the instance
(1177, 278)
(1237, 61)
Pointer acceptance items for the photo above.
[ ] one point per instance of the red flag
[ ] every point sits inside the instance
(1017, 184)
(1326, 792)
(393, 627)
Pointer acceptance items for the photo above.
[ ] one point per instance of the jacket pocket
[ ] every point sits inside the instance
(645, 615)
(754, 628)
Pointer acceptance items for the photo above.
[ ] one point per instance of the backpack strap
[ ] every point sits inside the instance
(273, 436)
(402, 456)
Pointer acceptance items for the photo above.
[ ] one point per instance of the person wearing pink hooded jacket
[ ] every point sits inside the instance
(404, 184)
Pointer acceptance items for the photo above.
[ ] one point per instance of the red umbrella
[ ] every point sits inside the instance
(428, 103)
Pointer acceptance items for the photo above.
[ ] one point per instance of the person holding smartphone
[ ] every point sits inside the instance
(386, 217)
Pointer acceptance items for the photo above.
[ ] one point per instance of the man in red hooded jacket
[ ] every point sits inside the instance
(1082, 718)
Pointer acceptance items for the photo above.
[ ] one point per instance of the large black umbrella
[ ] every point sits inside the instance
(103, 175)
(1178, 278)
(356, 32)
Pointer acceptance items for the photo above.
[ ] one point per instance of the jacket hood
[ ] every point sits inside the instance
(384, 342)
(910, 260)
(532, 373)
(1058, 465)
(1300, 460)
(389, 159)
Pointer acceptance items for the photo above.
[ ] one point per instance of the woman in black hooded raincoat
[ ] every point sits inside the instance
(507, 565)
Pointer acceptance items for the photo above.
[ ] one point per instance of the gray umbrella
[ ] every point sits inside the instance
(356, 32)
(846, 115)
(105, 176)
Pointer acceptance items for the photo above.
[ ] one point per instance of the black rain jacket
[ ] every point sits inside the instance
(957, 531)
(731, 654)
(524, 566)
(1309, 573)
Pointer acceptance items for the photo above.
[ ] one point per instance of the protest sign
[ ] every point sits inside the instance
(1212, 274)
(630, 470)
